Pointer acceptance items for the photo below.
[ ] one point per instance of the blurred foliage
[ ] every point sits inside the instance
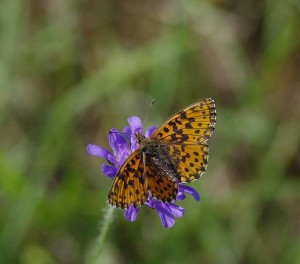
(71, 70)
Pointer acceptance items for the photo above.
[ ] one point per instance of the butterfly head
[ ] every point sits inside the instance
(141, 139)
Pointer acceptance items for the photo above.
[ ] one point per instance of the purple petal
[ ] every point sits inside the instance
(112, 159)
(166, 220)
(131, 213)
(98, 151)
(116, 141)
(176, 210)
(123, 155)
(109, 171)
(150, 131)
(133, 143)
(159, 206)
(127, 132)
(135, 124)
(187, 189)
(180, 196)
(166, 217)
(151, 202)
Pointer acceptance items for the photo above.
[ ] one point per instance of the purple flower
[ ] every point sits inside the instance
(121, 150)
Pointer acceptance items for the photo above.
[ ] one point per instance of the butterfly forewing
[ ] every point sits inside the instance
(193, 124)
(129, 186)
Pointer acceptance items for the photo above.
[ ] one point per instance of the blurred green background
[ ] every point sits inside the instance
(71, 70)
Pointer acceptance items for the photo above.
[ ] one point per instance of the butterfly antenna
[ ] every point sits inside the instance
(118, 132)
(152, 102)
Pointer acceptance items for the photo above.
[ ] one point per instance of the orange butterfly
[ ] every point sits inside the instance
(176, 152)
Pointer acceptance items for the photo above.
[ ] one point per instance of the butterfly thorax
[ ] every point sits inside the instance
(147, 146)
(141, 139)
(157, 155)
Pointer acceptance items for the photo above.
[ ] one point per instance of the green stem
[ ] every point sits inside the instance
(94, 256)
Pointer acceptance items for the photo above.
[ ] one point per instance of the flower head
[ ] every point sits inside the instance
(121, 149)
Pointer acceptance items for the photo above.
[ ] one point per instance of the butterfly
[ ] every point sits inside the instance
(177, 152)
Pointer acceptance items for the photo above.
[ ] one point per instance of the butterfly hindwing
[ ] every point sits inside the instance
(160, 186)
(192, 161)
